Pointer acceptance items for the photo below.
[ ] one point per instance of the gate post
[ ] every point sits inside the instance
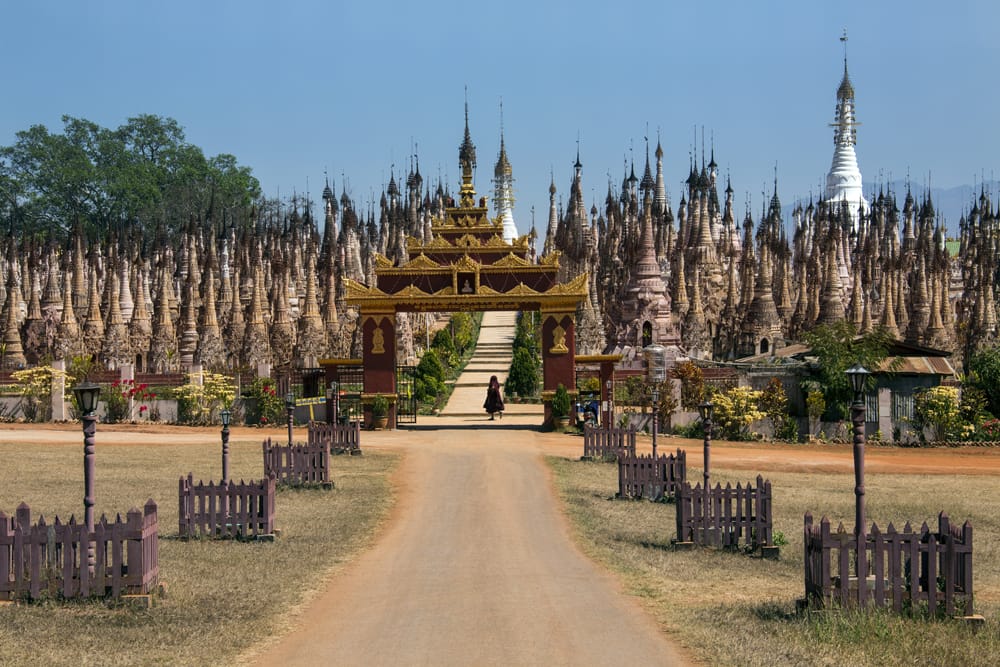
(558, 356)
(378, 339)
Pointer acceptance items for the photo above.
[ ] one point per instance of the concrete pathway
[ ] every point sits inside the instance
(492, 356)
(476, 567)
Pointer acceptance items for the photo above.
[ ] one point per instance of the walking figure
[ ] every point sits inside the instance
(494, 400)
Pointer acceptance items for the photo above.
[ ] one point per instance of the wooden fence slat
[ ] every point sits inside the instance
(906, 566)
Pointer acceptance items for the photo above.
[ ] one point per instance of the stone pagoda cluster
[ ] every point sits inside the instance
(706, 286)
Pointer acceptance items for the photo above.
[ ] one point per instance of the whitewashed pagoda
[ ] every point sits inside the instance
(843, 182)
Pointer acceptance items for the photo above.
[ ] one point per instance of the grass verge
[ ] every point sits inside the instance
(728, 608)
(223, 596)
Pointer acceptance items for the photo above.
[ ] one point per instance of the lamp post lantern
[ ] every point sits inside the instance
(290, 409)
(226, 416)
(87, 394)
(706, 410)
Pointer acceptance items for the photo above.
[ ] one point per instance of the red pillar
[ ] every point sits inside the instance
(558, 354)
(378, 339)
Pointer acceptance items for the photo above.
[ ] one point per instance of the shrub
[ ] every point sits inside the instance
(937, 409)
(270, 407)
(560, 402)
(199, 403)
(774, 404)
(35, 387)
(522, 379)
(735, 410)
(428, 379)
(692, 384)
(380, 406)
(124, 398)
(444, 345)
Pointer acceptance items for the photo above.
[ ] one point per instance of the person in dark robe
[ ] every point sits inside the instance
(494, 399)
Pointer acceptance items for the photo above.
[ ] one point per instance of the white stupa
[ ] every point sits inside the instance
(503, 193)
(843, 182)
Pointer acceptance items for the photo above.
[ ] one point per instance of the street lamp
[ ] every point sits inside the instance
(656, 411)
(858, 375)
(609, 387)
(226, 416)
(706, 410)
(290, 409)
(333, 402)
(87, 394)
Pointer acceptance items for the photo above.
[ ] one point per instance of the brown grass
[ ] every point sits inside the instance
(729, 608)
(223, 597)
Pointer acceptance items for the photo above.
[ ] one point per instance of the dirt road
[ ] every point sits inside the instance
(476, 568)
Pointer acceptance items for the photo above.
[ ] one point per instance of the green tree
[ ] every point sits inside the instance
(692, 384)
(463, 332)
(774, 404)
(522, 379)
(984, 373)
(429, 377)
(836, 348)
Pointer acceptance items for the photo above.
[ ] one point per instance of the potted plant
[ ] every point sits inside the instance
(561, 407)
(380, 412)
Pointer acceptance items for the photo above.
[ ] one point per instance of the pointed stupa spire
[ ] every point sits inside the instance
(843, 182)
(503, 188)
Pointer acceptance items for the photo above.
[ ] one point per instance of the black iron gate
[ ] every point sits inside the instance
(406, 403)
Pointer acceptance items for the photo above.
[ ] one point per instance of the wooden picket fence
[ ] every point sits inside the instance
(298, 464)
(51, 559)
(642, 476)
(726, 516)
(605, 443)
(342, 438)
(226, 510)
(904, 569)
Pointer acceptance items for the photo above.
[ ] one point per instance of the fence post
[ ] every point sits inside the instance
(58, 396)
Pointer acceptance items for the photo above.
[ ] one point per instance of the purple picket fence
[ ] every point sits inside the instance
(226, 510)
(903, 569)
(726, 516)
(342, 438)
(52, 560)
(297, 464)
(604, 444)
(643, 476)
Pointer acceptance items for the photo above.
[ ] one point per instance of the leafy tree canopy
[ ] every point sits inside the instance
(142, 173)
(837, 347)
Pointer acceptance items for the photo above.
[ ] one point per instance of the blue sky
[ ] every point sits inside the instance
(294, 88)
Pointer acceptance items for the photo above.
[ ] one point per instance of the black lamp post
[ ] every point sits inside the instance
(290, 409)
(858, 375)
(334, 403)
(226, 416)
(87, 394)
(656, 410)
(609, 387)
(706, 410)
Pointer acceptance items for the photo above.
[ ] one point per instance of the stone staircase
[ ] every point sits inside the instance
(492, 356)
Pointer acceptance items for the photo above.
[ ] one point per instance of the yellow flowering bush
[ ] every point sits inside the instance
(736, 410)
(35, 387)
(200, 400)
